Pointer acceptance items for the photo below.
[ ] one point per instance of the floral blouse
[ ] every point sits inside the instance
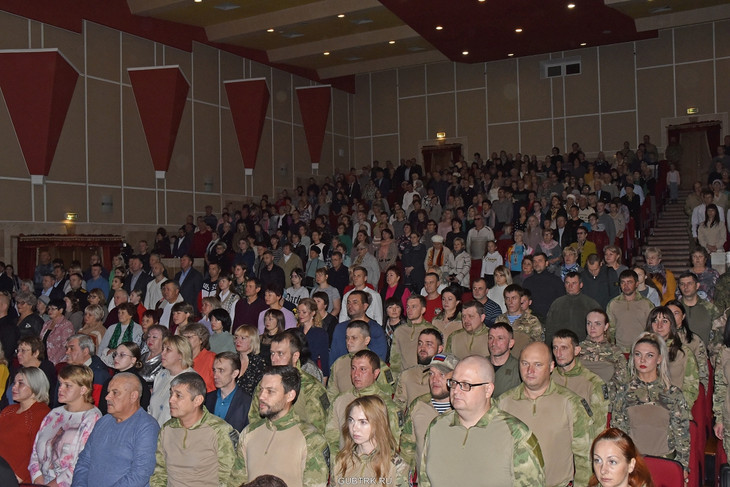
(56, 340)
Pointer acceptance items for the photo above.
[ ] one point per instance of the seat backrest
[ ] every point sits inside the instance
(664, 472)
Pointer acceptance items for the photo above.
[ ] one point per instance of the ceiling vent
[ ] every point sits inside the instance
(554, 68)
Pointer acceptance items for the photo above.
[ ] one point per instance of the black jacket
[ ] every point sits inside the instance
(237, 415)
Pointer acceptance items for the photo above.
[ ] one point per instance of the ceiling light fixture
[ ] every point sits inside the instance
(518, 30)
(326, 53)
(341, 16)
(391, 42)
(269, 30)
(464, 53)
(583, 43)
(571, 5)
(510, 54)
(198, 1)
(439, 27)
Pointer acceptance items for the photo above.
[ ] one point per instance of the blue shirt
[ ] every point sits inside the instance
(98, 283)
(222, 404)
(378, 343)
(119, 453)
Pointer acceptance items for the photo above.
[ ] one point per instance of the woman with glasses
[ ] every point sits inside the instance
(19, 422)
(64, 431)
(29, 322)
(370, 451)
(177, 357)
(127, 358)
(199, 338)
(126, 330)
(96, 296)
(56, 331)
(652, 411)
(246, 339)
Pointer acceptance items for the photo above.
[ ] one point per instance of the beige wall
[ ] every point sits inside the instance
(623, 92)
(102, 151)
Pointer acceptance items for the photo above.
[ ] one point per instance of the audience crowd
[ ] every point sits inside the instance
(471, 325)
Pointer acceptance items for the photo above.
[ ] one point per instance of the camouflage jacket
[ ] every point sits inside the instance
(722, 292)
(588, 386)
(286, 447)
(454, 455)
(684, 373)
(186, 454)
(418, 416)
(340, 381)
(638, 393)
(700, 351)
(528, 324)
(311, 405)
(403, 352)
(593, 355)
(720, 400)
(463, 344)
(361, 468)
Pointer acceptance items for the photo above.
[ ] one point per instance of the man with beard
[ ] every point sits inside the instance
(405, 341)
(506, 367)
(423, 409)
(413, 381)
(279, 443)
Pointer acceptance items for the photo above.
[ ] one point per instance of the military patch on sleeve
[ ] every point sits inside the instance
(234, 436)
(389, 377)
(400, 419)
(605, 391)
(587, 407)
(324, 400)
(326, 455)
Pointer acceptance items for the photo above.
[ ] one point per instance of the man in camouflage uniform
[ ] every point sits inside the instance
(627, 312)
(506, 367)
(195, 446)
(456, 442)
(700, 312)
(405, 337)
(556, 415)
(525, 326)
(603, 358)
(280, 443)
(357, 337)
(571, 374)
(313, 402)
(423, 409)
(364, 371)
(413, 382)
(473, 337)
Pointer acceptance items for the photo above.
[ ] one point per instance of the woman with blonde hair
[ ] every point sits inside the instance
(370, 450)
(317, 338)
(64, 431)
(248, 346)
(94, 323)
(19, 422)
(662, 277)
(177, 357)
(652, 411)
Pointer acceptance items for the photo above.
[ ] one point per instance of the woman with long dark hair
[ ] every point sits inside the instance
(690, 339)
(712, 233)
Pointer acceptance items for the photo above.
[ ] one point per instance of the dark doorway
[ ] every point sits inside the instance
(437, 157)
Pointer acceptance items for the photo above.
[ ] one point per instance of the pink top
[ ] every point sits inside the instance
(56, 342)
(389, 292)
(59, 441)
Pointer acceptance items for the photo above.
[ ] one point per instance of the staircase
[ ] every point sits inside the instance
(671, 235)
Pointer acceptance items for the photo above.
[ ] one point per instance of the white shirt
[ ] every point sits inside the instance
(375, 310)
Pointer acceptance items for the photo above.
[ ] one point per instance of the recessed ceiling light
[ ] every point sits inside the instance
(439, 27)
(482, 1)
(583, 43)
(510, 54)
(198, 1)
(269, 30)
(571, 5)
(326, 53)
(341, 16)
(391, 42)
(518, 30)
(464, 53)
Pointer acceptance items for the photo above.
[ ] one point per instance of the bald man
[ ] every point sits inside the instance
(561, 420)
(121, 448)
(453, 453)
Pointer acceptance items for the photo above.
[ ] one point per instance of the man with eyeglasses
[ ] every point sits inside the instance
(583, 246)
(560, 419)
(424, 408)
(456, 443)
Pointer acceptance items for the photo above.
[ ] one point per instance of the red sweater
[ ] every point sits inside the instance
(17, 434)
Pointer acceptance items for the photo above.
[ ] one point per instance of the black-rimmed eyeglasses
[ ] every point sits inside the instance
(464, 386)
